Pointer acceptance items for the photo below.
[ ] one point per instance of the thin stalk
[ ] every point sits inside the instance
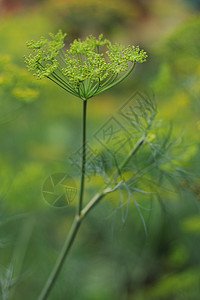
(93, 89)
(88, 87)
(62, 86)
(97, 198)
(65, 80)
(118, 81)
(135, 149)
(83, 158)
(81, 213)
(110, 80)
(59, 81)
(61, 259)
(84, 93)
(93, 202)
(76, 223)
(64, 83)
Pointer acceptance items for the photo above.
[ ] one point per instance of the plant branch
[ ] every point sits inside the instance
(82, 213)
(135, 149)
(97, 198)
(77, 220)
(61, 259)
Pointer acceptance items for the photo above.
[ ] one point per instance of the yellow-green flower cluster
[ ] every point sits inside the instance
(84, 69)
(45, 62)
(79, 69)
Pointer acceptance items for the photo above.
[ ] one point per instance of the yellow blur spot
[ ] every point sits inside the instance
(1, 80)
(191, 225)
(151, 137)
(26, 95)
(178, 103)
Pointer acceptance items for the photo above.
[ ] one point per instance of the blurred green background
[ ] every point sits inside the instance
(40, 130)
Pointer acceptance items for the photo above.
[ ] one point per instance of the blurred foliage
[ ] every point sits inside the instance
(16, 83)
(78, 18)
(178, 74)
(113, 258)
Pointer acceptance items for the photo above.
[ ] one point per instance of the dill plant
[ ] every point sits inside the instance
(85, 70)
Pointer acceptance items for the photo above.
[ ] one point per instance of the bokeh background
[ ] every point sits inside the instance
(112, 258)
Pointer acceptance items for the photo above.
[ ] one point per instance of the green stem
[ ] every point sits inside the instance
(76, 223)
(93, 202)
(61, 259)
(135, 149)
(80, 203)
(81, 213)
(97, 198)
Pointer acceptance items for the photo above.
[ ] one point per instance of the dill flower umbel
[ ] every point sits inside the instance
(83, 70)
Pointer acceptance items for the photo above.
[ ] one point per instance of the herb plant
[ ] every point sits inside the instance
(85, 70)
